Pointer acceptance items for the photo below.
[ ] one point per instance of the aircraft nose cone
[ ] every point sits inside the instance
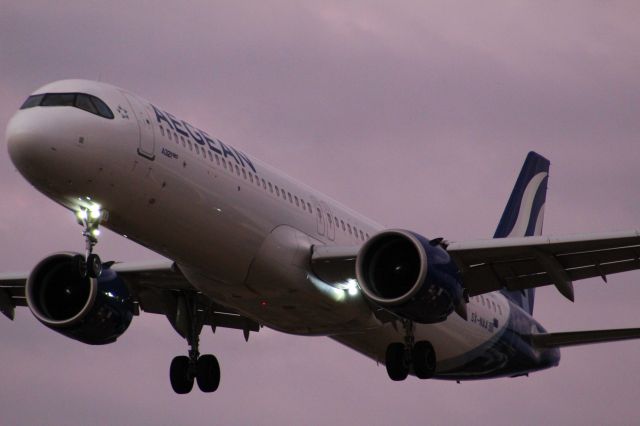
(20, 139)
(26, 142)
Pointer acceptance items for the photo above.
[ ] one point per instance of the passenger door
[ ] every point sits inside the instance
(319, 216)
(146, 141)
(329, 221)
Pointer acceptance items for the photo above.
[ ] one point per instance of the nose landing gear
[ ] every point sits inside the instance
(400, 357)
(89, 265)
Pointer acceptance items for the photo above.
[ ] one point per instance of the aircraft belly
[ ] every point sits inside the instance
(280, 292)
(456, 341)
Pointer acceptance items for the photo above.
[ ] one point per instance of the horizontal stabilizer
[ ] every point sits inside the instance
(574, 338)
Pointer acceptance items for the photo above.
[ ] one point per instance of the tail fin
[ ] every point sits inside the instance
(524, 213)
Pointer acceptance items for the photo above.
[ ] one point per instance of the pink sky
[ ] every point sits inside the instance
(416, 114)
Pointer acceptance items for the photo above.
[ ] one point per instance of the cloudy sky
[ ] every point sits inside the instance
(418, 114)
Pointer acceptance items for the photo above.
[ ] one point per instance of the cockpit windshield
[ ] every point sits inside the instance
(83, 101)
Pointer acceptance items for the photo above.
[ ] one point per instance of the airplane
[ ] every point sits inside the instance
(247, 247)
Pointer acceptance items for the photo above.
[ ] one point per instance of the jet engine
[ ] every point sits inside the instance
(410, 276)
(90, 310)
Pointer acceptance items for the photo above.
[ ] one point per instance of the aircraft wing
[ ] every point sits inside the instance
(527, 262)
(156, 287)
(514, 263)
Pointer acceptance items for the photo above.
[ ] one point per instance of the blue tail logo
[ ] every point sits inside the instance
(524, 214)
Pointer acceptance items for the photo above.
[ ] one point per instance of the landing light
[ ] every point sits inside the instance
(95, 212)
(350, 286)
(95, 232)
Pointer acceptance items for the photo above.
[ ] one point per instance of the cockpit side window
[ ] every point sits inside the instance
(103, 109)
(83, 101)
(32, 101)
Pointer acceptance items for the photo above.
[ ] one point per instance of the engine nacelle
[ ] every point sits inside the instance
(92, 311)
(402, 272)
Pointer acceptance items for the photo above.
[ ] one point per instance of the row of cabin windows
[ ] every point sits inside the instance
(260, 182)
(490, 304)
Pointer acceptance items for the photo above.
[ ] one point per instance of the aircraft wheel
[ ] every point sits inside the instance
(395, 360)
(181, 379)
(208, 373)
(424, 360)
(80, 265)
(94, 265)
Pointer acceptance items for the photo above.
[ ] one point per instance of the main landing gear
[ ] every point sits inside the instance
(400, 357)
(89, 265)
(204, 369)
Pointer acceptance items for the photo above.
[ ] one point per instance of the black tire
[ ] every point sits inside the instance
(424, 360)
(208, 376)
(80, 265)
(181, 380)
(94, 266)
(397, 366)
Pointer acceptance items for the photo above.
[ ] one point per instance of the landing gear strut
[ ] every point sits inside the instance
(89, 265)
(204, 369)
(400, 357)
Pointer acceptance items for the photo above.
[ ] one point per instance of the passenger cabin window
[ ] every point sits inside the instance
(81, 101)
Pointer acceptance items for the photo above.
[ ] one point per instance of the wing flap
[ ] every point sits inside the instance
(529, 262)
(12, 293)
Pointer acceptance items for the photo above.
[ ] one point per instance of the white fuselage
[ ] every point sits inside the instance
(218, 214)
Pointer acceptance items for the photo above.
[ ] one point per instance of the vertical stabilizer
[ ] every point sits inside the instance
(524, 213)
